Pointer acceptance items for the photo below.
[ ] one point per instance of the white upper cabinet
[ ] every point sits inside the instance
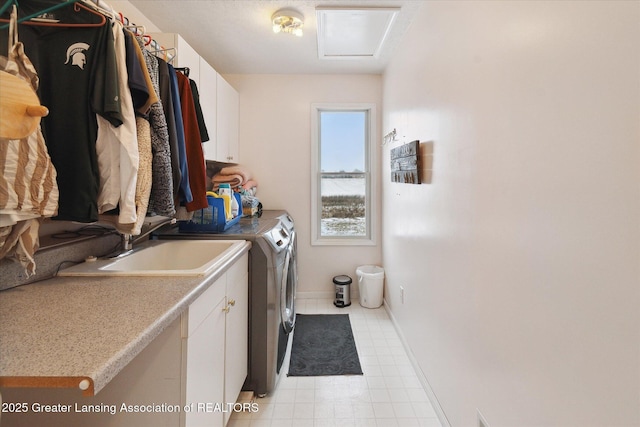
(228, 118)
(208, 89)
(218, 99)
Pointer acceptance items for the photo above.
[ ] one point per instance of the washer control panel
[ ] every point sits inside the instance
(278, 237)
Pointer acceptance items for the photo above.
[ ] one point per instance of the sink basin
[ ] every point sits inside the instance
(163, 258)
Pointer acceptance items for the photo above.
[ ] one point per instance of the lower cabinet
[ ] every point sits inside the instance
(236, 338)
(214, 346)
(189, 376)
(203, 348)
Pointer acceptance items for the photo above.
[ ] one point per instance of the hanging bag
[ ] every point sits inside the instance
(28, 187)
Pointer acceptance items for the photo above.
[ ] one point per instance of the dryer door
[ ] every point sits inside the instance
(288, 289)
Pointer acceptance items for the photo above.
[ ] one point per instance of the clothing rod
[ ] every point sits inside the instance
(101, 7)
(101, 4)
(41, 12)
(47, 10)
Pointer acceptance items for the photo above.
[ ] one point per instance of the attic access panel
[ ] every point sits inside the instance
(353, 33)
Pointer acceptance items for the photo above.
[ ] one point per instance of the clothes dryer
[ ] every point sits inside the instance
(283, 242)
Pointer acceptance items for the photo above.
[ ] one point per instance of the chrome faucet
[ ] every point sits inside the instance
(127, 240)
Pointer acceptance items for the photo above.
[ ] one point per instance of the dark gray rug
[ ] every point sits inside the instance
(323, 345)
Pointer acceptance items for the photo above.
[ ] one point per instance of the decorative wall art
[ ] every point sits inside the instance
(405, 163)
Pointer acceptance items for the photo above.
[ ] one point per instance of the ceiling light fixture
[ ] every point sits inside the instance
(288, 21)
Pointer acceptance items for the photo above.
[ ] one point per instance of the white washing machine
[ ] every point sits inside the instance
(273, 280)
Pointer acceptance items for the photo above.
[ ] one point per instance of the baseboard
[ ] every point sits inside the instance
(416, 367)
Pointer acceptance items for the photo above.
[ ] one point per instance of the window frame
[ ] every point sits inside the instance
(370, 176)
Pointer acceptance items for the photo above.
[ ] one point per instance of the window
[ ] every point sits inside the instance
(342, 159)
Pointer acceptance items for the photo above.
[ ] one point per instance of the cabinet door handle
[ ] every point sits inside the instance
(232, 302)
(226, 309)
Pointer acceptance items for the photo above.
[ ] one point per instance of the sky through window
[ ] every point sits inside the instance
(342, 141)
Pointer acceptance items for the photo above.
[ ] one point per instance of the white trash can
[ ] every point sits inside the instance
(370, 285)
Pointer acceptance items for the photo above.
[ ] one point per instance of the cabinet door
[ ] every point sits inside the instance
(227, 122)
(205, 370)
(237, 327)
(208, 95)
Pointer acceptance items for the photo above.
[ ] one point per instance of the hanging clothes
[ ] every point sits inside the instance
(193, 145)
(145, 174)
(161, 199)
(117, 147)
(28, 188)
(143, 96)
(202, 126)
(78, 79)
(184, 193)
(139, 80)
(167, 106)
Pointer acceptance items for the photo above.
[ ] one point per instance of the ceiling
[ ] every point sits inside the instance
(235, 36)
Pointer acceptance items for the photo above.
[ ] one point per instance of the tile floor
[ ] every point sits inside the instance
(389, 393)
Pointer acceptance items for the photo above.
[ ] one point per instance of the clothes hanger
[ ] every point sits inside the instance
(134, 29)
(77, 7)
(184, 70)
(168, 58)
(7, 5)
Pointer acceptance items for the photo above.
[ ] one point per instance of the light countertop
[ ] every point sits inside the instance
(61, 331)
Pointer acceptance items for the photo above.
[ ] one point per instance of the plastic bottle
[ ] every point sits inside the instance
(225, 192)
(234, 205)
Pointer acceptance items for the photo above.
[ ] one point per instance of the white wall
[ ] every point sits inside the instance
(275, 144)
(520, 260)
